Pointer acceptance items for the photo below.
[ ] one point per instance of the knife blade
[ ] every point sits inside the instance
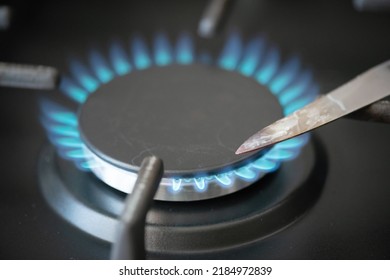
(368, 87)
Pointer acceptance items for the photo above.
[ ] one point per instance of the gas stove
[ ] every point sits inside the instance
(137, 81)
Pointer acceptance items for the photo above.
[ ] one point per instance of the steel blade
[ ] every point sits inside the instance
(363, 90)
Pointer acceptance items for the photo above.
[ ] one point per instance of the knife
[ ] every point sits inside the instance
(368, 87)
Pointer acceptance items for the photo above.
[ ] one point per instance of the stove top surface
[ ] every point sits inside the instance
(349, 215)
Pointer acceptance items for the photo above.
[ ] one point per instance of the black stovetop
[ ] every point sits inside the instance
(350, 219)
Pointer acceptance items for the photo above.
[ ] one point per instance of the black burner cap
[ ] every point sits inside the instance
(193, 117)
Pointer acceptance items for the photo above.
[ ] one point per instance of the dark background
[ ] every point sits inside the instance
(351, 219)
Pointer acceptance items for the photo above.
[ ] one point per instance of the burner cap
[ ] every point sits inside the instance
(193, 117)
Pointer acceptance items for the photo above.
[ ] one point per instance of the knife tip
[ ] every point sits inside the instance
(247, 147)
(241, 150)
(258, 141)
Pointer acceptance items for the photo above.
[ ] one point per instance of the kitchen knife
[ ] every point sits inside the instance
(363, 90)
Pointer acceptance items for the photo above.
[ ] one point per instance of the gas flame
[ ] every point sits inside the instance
(259, 59)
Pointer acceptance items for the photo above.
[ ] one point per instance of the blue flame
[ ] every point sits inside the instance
(231, 53)
(268, 69)
(100, 66)
(58, 129)
(200, 184)
(119, 59)
(72, 90)
(61, 126)
(83, 76)
(162, 50)
(297, 89)
(251, 57)
(280, 154)
(309, 96)
(265, 164)
(140, 54)
(184, 49)
(293, 86)
(285, 76)
(293, 143)
(246, 173)
(176, 185)
(224, 179)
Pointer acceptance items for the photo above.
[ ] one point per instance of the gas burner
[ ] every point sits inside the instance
(191, 114)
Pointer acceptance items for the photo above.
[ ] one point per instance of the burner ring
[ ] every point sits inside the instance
(259, 60)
